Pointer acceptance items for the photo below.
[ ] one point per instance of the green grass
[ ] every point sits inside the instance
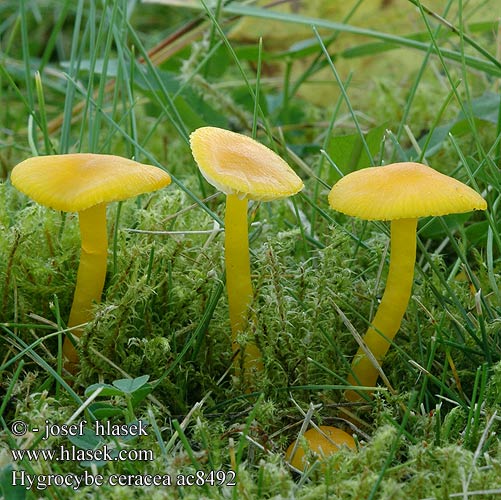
(330, 94)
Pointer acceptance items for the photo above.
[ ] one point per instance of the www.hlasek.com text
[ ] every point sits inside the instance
(74, 454)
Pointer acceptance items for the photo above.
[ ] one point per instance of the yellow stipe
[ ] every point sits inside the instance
(238, 278)
(91, 271)
(391, 310)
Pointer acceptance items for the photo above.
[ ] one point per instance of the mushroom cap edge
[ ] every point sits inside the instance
(237, 164)
(78, 181)
(400, 191)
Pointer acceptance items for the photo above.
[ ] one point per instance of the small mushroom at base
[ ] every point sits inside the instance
(322, 443)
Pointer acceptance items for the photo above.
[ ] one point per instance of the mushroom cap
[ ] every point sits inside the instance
(324, 443)
(237, 164)
(402, 191)
(75, 182)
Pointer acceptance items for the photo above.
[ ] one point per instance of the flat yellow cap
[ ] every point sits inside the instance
(402, 191)
(75, 182)
(237, 164)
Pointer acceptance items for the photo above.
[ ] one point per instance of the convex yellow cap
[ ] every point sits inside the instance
(402, 191)
(239, 165)
(76, 182)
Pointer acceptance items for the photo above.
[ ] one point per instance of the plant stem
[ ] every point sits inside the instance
(91, 271)
(391, 310)
(238, 278)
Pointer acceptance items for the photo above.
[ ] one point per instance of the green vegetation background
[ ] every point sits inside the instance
(370, 83)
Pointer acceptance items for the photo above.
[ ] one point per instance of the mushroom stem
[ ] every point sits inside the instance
(238, 278)
(392, 307)
(91, 271)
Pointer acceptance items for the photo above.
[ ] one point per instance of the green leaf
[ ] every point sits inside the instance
(98, 67)
(141, 394)
(372, 48)
(194, 109)
(483, 109)
(477, 232)
(130, 385)
(435, 230)
(105, 410)
(7, 489)
(198, 113)
(88, 440)
(108, 390)
(146, 80)
(219, 63)
(348, 153)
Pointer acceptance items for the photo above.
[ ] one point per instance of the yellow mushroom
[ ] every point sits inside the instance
(84, 183)
(322, 443)
(400, 193)
(243, 169)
